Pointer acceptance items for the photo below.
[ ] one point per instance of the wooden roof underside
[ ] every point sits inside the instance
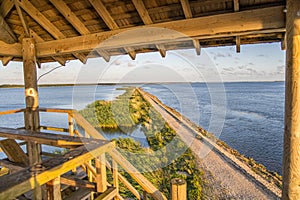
(74, 29)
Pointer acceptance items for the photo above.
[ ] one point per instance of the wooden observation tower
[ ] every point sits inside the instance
(40, 31)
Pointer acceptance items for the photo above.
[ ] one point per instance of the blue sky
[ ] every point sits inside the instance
(262, 62)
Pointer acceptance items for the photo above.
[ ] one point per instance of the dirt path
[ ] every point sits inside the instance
(234, 182)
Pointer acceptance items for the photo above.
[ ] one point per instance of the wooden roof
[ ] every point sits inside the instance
(71, 29)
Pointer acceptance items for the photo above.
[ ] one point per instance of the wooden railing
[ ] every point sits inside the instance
(101, 163)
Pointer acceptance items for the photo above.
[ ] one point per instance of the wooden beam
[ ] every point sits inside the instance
(10, 49)
(141, 9)
(291, 150)
(104, 14)
(115, 176)
(162, 50)
(25, 180)
(103, 53)
(42, 138)
(283, 42)
(186, 9)
(101, 173)
(6, 7)
(41, 19)
(72, 181)
(6, 34)
(53, 189)
(13, 167)
(223, 25)
(64, 9)
(37, 38)
(131, 52)
(238, 44)
(22, 18)
(236, 5)
(6, 59)
(109, 194)
(197, 46)
(14, 152)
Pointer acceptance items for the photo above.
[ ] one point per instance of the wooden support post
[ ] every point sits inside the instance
(88, 171)
(115, 177)
(53, 188)
(101, 173)
(32, 121)
(71, 125)
(178, 189)
(291, 154)
(31, 113)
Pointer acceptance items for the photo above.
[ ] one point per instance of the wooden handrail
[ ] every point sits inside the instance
(56, 110)
(7, 112)
(123, 162)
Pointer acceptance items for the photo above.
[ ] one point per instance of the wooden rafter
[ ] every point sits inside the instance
(46, 24)
(6, 7)
(6, 34)
(22, 18)
(6, 59)
(236, 5)
(131, 52)
(251, 22)
(64, 9)
(197, 46)
(162, 50)
(103, 53)
(144, 15)
(186, 9)
(141, 9)
(238, 44)
(104, 14)
(37, 38)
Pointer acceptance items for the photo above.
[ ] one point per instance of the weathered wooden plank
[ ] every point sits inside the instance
(197, 46)
(56, 110)
(140, 7)
(10, 165)
(6, 7)
(81, 193)
(178, 189)
(291, 151)
(14, 152)
(53, 189)
(6, 59)
(162, 50)
(42, 138)
(103, 53)
(250, 21)
(236, 5)
(6, 34)
(186, 9)
(22, 18)
(104, 14)
(11, 111)
(131, 52)
(238, 44)
(109, 194)
(27, 179)
(73, 181)
(115, 176)
(41, 19)
(71, 125)
(101, 179)
(64, 9)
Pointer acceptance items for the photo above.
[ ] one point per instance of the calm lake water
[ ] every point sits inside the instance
(252, 112)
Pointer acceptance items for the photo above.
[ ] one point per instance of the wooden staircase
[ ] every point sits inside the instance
(78, 174)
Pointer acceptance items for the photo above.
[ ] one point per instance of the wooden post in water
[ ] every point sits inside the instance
(291, 154)
(178, 189)
(31, 116)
